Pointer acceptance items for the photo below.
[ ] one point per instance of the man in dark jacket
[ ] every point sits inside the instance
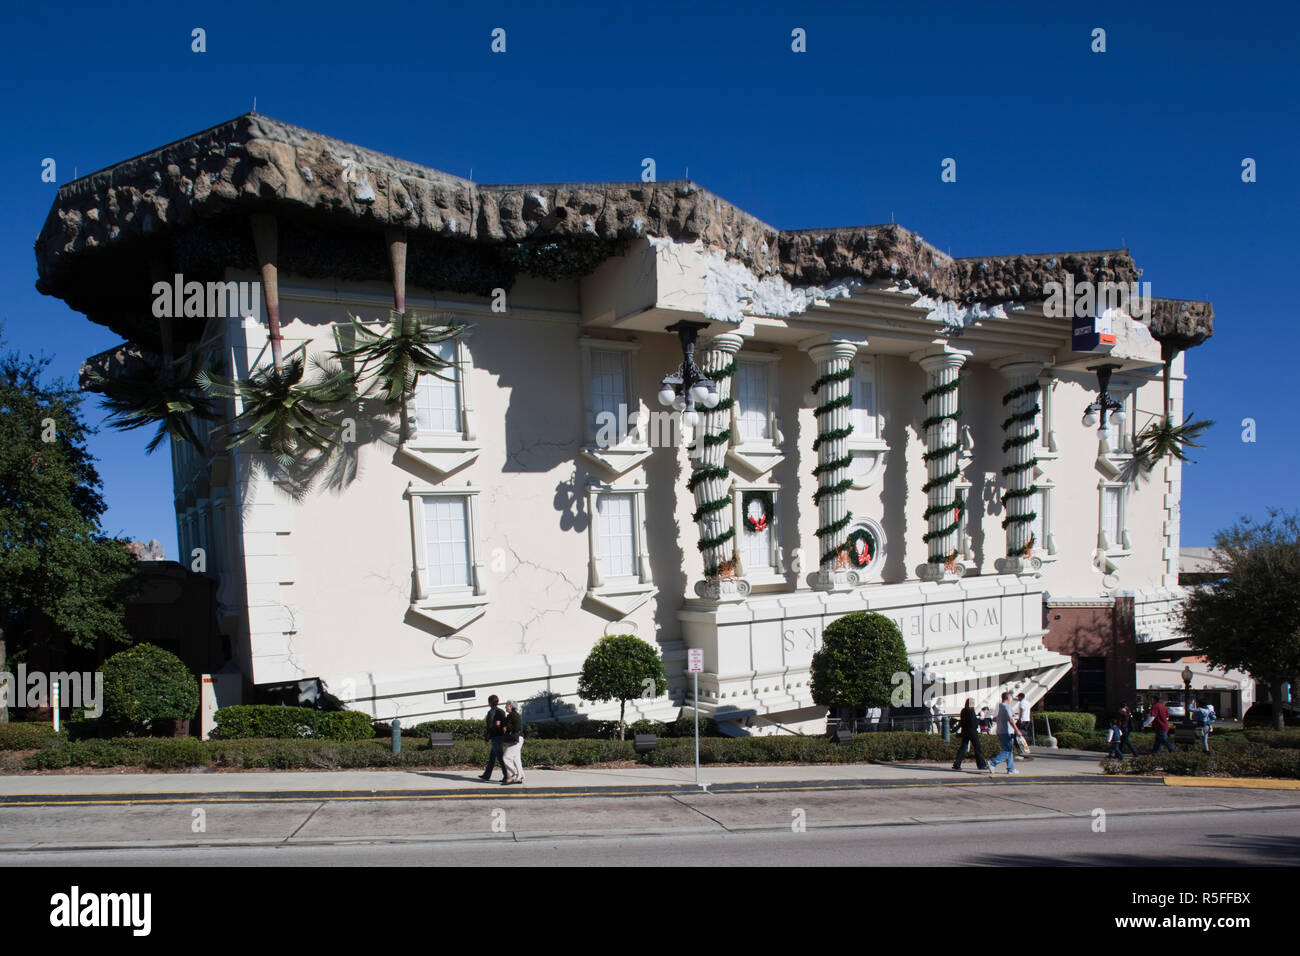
(1126, 724)
(494, 728)
(970, 736)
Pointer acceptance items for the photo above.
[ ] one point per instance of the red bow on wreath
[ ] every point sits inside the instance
(757, 524)
(861, 553)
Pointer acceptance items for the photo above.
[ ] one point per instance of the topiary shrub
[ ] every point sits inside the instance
(145, 684)
(1064, 720)
(859, 663)
(1068, 740)
(619, 668)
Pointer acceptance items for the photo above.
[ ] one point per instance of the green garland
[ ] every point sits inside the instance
(946, 479)
(873, 546)
(832, 529)
(707, 472)
(1016, 441)
(960, 505)
(768, 503)
(941, 389)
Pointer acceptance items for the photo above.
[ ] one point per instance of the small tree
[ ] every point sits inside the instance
(1250, 620)
(146, 683)
(621, 667)
(856, 665)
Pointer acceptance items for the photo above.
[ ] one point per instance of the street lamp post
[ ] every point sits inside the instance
(689, 385)
(1187, 691)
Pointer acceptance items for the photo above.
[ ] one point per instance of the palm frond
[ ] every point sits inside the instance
(397, 357)
(282, 411)
(170, 396)
(1162, 437)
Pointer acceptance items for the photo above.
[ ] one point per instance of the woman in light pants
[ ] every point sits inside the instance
(514, 744)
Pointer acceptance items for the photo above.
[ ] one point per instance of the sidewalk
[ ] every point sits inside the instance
(1059, 766)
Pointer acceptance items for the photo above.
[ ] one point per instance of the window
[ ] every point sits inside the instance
(863, 393)
(448, 574)
(615, 536)
(437, 399)
(610, 403)
(965, 549)
(609, 392)
(620, 567)
(1045, 445)
(757, 541)
(754, 414)
(1041, 527)
(441, 417)
(446, 538)
(1119, 437)
(1113, 536)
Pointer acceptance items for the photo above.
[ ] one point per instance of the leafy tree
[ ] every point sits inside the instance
(59, 575)
(1250, 619)
(146, 683)
(856, 665)
(621, 667)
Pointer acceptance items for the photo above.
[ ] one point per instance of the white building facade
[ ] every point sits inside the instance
(873, 422)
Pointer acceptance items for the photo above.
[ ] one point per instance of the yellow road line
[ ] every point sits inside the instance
(1239, 783)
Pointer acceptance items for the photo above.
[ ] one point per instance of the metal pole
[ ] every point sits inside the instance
(696, 675)
(397, 736)
(56, 706)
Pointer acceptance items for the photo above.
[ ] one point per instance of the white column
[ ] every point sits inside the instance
(942, 365)
(716, 356)
(834, 362)
(1019, 439)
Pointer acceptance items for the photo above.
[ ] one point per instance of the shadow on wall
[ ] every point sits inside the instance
(893, 491)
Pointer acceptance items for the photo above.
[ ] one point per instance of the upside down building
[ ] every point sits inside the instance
(884, 428)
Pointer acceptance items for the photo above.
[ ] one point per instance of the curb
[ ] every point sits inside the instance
(1234, 783)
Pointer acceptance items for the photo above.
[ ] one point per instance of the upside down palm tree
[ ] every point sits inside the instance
(1162, 437)
(397, 357)
(169, 395)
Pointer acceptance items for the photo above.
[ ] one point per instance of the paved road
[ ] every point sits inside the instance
(1008, 822)
(1243, 837)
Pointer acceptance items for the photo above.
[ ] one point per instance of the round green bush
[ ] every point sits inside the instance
(145, 683)
(860, 662)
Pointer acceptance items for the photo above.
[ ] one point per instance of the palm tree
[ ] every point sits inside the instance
(400, 355)
(280, 410)
(1162, 437)
(167, 394)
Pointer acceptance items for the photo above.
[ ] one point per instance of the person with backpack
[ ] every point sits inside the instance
(970, 736)
(1201, 724)
(493, 731)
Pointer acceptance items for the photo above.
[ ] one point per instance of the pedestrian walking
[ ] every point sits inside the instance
(1201, 724)
(970, 737)
(1159, 721)
(1126, 723)
(1007, 733)
(1113, 737)
(1023, 720)
(513, 741)
(493, 729)
(986, 721)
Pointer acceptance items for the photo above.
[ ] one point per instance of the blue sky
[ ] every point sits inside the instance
(1057, 148)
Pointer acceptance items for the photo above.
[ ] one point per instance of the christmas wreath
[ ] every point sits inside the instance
(757, 508)
(862, 547)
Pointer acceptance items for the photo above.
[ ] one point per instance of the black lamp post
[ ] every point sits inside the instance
(1098, 410)
(1187, 690)
(689, 385)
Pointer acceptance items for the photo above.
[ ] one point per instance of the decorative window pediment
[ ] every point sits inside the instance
(611, 406)
(448, 570)
(756, 437)
(440, 418)
(620, 579)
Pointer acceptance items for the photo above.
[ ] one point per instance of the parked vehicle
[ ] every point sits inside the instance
(1261, 715)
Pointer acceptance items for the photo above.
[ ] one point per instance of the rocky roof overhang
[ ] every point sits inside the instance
(184, 207)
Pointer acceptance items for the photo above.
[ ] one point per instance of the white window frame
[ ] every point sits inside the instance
(1125, 393)
(877, 567)
(1124, 545)
(449, 607)
(632, 448)
(447, 451)
(868, 453)
(1045, 547)
(1046, 447)
(774, 571)
(621, 595)
(965, 547)
(758, 455)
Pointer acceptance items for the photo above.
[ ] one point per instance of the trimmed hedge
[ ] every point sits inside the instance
(1064, 721)
(28, 736)
(156, 753)
(1246, 760)
(290, 723)
(570, 729)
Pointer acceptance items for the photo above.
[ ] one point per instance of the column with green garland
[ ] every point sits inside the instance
(710, 477)
(834, 404)
(1020, 406)
(944, 507)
